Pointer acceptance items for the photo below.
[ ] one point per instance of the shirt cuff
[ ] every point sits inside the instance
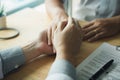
(1, 71)
(11, 59)
(64, 67)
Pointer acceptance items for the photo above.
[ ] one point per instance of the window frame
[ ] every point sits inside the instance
(31, 4)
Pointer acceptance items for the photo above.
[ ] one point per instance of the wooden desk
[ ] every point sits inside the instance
(30, 23)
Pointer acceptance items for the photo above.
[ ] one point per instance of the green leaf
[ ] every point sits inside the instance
(1, 10)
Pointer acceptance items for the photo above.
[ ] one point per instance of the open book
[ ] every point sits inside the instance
(96, 60)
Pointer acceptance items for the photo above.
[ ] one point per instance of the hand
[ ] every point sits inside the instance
(38, 47)
(67, 40)
(53, 25)
(100, 28)
(42, 43)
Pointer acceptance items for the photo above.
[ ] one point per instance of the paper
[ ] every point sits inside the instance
(96, 60)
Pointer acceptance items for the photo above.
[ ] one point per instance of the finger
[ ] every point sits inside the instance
(89, 35)
(78, 27)
(77, 24)
(54, 50)
(88, 24)
(90, 28)
(61, 25)
(49, 34)
(69, 24)
(97, 36)
(53, 30)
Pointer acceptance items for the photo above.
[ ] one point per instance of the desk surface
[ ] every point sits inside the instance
(30, 22)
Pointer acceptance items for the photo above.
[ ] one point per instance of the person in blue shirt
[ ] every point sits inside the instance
(66, 44)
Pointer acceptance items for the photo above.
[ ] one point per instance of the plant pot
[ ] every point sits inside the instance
(2, 22)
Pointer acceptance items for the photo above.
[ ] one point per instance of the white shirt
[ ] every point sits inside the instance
(93, 9)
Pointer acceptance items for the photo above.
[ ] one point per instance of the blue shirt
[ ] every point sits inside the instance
(12, 58)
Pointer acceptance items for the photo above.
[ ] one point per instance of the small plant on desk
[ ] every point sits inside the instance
(1, 10)
(2, 16)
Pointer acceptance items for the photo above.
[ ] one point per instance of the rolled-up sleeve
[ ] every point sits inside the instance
(62, 70)
(11, 59)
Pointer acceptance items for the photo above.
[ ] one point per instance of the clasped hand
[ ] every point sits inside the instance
(65, 39)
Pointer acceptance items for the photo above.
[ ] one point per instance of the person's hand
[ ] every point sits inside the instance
(99, 28)
(37, 47)
(67, 40)
(42, 43)
(53, 25)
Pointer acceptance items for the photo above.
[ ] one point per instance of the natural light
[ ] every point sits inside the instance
(15, 5)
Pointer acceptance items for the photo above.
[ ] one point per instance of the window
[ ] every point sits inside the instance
(15, 5)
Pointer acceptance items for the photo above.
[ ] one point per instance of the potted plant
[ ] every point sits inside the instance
(2, 17)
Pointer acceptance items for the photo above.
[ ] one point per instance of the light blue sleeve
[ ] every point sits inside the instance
(62, 70)
(11, 58)
(1, 72)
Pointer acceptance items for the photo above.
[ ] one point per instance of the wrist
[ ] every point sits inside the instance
(31, 51)
(115, 21)
(66, 56)
(61, 15)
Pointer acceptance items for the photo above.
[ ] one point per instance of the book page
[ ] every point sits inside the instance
(96, 60)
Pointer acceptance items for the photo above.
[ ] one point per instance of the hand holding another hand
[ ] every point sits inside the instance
(53, 25)
(67, 40)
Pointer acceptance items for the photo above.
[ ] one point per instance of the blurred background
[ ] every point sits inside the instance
(12, 6)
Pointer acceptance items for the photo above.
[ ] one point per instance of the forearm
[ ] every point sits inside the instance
(55, 8)
(14, 57)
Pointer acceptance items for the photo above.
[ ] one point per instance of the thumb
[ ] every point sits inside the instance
(69, 24)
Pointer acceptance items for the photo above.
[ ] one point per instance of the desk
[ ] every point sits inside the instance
(30, 23)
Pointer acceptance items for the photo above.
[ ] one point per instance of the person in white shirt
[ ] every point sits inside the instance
(103, 16)
(65, 46)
